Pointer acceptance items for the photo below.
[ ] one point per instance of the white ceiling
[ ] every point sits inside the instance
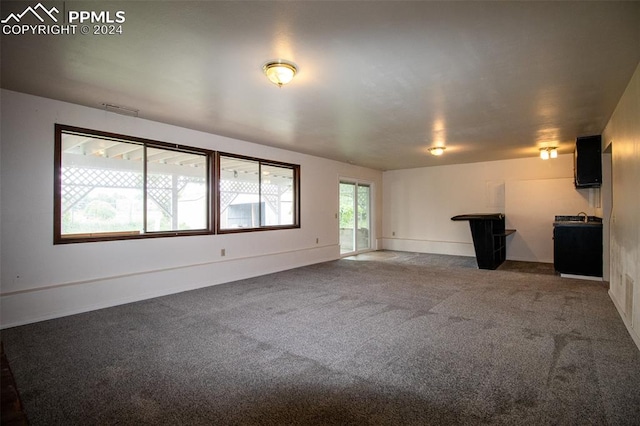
(378, 82)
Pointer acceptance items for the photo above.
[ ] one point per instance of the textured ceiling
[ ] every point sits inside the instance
(378, 82)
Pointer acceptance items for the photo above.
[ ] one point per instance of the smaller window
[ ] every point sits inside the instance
(257, 194)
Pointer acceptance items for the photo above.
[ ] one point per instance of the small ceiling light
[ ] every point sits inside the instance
(549, 152)
(437, 150)
(544, 153)
(279, 72)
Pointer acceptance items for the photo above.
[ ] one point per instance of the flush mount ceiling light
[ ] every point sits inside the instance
(546, 153)
(437, 150)
(279, 72)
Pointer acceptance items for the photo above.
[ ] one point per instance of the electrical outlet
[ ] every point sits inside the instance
(317, 240)
(393, 234)
(223, 252)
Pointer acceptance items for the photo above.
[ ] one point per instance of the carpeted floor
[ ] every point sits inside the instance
(381, 339)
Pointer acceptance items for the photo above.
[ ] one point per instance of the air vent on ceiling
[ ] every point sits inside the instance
(121, 110)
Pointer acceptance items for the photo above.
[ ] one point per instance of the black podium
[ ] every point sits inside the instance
(489, 237)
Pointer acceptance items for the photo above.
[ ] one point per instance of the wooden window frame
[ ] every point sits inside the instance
(59, 238)
(296, 194)
(213, 190)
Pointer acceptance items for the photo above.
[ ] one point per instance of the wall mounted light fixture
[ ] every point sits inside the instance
(546, 153)
(437, 150)
(280, 72)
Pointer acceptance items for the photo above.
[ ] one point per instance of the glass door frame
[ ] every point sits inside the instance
(357, 183)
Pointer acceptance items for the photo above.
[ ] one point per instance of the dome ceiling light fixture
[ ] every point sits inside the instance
(437, 150)
(280, 72)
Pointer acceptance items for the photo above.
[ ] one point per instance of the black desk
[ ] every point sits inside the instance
(489, 237)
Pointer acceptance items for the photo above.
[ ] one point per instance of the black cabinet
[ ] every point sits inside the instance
(587, 162)
(489, 238)
(577, 248)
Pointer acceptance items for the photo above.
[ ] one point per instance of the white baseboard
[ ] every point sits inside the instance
(581, 277)
(429, 246)
(59, 300)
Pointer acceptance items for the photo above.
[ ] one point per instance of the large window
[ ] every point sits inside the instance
(256, 194)
(110, 186)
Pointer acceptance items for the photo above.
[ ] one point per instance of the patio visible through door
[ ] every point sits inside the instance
(355, 217)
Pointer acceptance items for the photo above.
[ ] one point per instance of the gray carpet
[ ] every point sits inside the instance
(383, 339)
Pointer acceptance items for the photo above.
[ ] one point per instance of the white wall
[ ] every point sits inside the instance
(40, 280)
(418, 205)
(623, 133)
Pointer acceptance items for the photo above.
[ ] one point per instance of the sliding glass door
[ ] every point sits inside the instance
(355, 217)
